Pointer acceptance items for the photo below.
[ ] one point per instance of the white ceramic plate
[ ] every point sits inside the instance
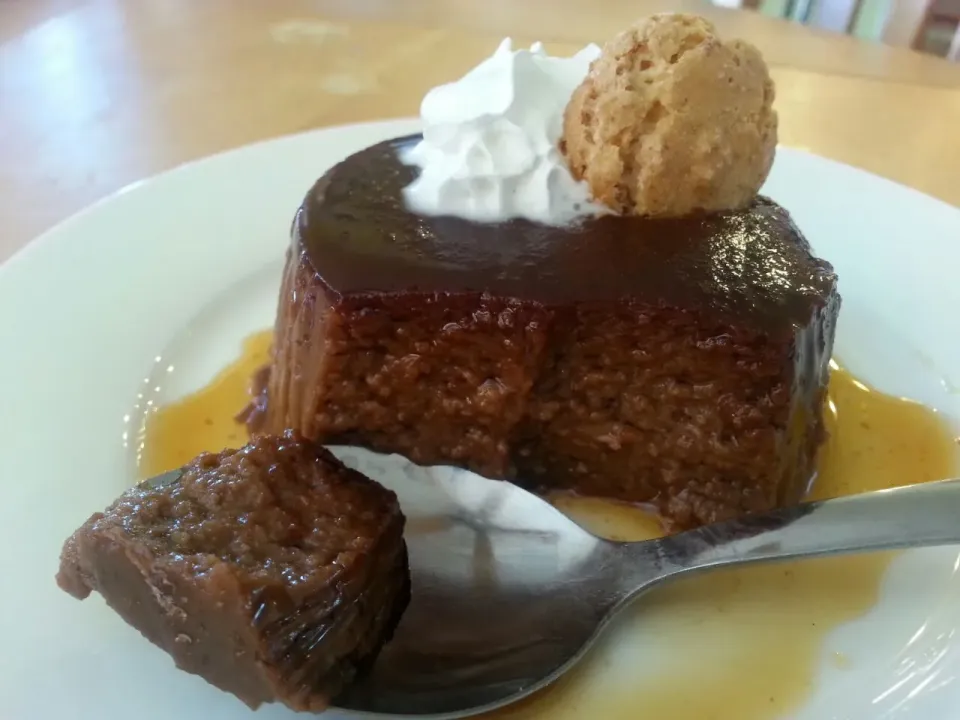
(177, 269)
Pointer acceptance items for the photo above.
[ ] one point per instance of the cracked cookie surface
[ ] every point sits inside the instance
(671, 120)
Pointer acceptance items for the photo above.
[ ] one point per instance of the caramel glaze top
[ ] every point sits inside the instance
(750, 266)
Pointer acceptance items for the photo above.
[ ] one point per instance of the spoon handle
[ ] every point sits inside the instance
(913, 516)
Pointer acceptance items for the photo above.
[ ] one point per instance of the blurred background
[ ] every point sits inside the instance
(930, 26)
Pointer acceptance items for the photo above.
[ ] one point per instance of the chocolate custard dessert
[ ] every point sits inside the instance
(273, 571)
(667, 341)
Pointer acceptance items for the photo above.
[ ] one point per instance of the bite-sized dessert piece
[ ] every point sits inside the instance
(629, 330)
(273, 571)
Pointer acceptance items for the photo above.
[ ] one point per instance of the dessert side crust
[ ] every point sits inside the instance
(632, 402)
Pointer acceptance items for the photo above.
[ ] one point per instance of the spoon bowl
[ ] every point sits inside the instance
(509, 593)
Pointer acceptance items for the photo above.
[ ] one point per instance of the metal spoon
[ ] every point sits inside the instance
(508, 593)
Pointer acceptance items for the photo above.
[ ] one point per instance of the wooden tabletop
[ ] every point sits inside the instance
(95, 94)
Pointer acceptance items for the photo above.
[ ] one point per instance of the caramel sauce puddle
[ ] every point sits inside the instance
(745, 643)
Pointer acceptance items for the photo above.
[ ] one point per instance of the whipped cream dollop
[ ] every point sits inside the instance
(490, 141)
